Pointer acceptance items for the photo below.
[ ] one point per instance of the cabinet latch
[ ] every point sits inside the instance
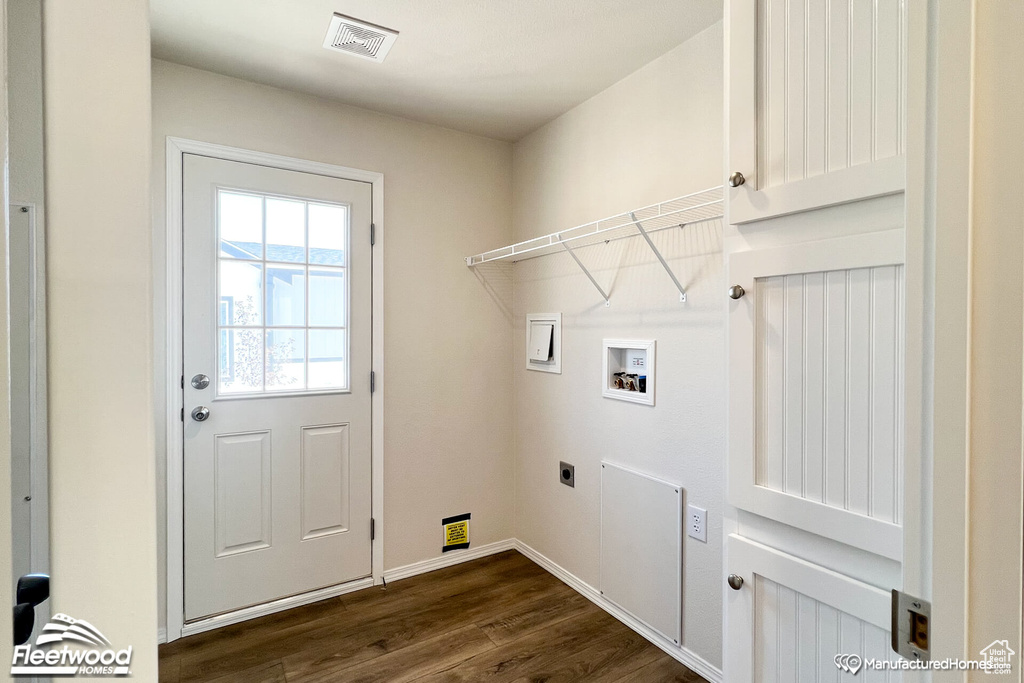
(911, 619)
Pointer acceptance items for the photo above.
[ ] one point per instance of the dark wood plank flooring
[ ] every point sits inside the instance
(501, 618)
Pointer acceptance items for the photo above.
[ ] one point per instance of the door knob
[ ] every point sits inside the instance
(736, 179)
(33, 589)
(735, 581)
(24, 622)
(736, 292)
(200, 381)
(200, 413)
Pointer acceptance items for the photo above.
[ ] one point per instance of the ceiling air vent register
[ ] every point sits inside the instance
(359, 38)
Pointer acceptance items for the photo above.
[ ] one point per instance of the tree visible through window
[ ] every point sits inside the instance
(282, 293)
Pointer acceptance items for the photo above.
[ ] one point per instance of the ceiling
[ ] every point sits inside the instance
(497, 68)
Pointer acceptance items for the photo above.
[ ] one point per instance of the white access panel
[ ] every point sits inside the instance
(642, 547)
(540, 341)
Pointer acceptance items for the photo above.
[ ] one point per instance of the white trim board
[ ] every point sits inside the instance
(680, 653)
(175, 625)
(449, 559)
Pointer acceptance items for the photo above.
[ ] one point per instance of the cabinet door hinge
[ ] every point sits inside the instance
(373, 234)
(373, 528)
(373, 381)
(183, 414)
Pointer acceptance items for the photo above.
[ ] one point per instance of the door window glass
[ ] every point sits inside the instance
(282, 306)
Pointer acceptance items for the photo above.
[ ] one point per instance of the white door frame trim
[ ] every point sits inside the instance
(176, 147)
(39, 434)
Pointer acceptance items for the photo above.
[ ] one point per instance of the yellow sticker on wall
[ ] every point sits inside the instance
(456, 532)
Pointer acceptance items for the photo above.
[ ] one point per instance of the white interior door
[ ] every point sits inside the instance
(816, 103)
(277, 318)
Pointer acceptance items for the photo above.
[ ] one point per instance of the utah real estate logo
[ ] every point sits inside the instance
(89, 653)
(998, 657)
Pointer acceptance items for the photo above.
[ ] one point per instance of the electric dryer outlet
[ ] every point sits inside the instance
(567, 474)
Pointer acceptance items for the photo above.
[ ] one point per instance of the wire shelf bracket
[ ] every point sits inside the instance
(697, 207)
(604, 295)
(661, 259)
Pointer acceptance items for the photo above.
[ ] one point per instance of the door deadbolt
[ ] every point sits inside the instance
(200, 381)
(200, 413)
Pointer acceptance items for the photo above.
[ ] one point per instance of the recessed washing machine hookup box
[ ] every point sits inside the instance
(628, 370)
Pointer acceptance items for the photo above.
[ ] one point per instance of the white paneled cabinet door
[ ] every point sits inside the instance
(816, 376)
(816, 92)
(815, 381)
(793, 621)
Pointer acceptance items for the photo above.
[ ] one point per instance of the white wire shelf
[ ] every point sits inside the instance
(674, 213)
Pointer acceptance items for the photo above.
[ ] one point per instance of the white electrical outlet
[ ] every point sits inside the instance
(696, 523)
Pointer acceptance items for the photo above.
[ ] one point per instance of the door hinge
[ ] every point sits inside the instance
(910, 626)
(373, 381)
(182, 414)
(373, 528)
(373, 234)
(183, 381)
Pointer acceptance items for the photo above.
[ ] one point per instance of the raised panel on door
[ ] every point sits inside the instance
(816, 93)
(816, 381)
(243, 516)
(326, 481)
(790, 619)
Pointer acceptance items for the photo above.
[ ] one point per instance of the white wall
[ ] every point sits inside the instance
(6, 599)
(653, 136)
(102, 485)
(997, 301)
(448, 401)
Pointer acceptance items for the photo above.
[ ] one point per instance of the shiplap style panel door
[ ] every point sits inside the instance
(817, 93)
(816, 380)
(791, 618)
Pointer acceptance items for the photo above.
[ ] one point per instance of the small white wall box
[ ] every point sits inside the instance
(628, 373)
(544, 342)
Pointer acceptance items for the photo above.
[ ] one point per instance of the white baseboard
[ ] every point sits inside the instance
(690, 659)
(449, 559)
(271, 607)
(161, 636)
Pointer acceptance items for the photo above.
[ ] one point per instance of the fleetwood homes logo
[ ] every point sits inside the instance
(85, 652)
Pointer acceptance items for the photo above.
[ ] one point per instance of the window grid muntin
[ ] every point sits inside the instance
(265, 264)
